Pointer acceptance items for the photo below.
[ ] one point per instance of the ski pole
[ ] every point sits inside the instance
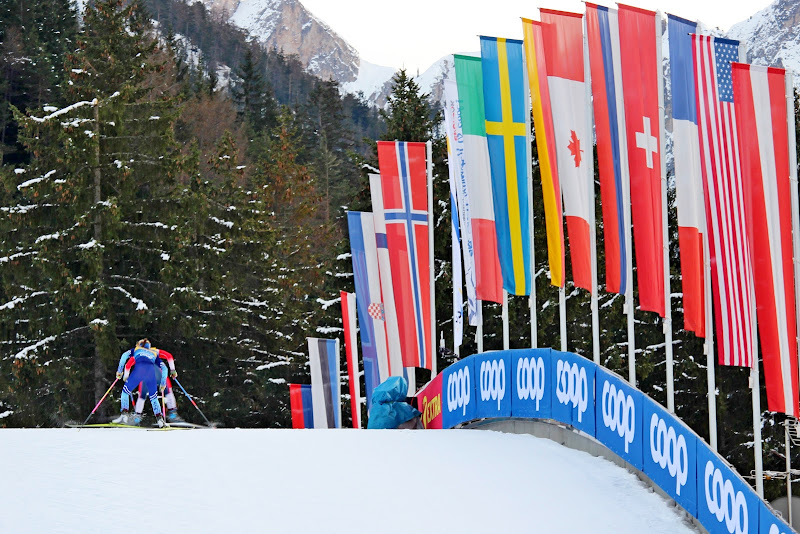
(192, 401)
(100, 401)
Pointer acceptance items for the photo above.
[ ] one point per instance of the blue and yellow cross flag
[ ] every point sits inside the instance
(505, 101)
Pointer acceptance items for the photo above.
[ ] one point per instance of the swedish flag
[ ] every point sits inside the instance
(505, 101)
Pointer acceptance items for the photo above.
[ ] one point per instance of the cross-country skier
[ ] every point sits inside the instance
(169, 395)
(140, 366)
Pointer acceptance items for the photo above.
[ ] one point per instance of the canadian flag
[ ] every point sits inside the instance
(562, 35)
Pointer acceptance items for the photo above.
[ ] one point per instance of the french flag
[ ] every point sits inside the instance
(765, 112)
(688, 173)
(302, 407)
(404, 178)
(604, 59)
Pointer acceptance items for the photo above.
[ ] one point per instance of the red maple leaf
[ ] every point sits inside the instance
(575, 148)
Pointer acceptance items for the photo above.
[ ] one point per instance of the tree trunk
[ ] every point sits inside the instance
(99, 367)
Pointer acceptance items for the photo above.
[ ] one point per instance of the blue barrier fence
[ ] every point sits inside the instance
(548, 384)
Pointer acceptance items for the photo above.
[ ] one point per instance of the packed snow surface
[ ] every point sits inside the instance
(332, 481)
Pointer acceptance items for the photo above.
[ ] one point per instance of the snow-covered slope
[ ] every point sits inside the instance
(772, 36)
(335, 481)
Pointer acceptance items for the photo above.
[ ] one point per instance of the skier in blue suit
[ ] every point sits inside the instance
(141, 366)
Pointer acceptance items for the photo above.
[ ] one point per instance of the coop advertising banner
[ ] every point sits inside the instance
(619, 417)
(770, 524)
(669, 454)
(725, 503)
(493, 387)
(458, 393)
(429, 402)
(531, 383)
(572, 378)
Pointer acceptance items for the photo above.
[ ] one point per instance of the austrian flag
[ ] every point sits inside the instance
(404, 179)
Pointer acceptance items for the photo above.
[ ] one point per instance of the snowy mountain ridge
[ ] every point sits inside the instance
(771, 36)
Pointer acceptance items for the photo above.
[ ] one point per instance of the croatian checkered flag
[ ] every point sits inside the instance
(404, 180)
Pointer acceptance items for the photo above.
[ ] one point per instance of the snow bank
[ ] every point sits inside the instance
(334, 481)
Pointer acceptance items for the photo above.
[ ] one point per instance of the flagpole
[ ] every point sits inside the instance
(665, 228)
(562, 311)
(587, 74)
(479, 331)
(795, 202)
(506, 343)
(709, 346)
(529, 155)
(755, 388)
(429, 151)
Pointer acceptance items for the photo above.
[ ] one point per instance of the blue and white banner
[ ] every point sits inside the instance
(619, 417)
(572, 378)
(770, 524)
(531, 383)
(726, 504)
(670, 454)
(493, 388)
(458, 393)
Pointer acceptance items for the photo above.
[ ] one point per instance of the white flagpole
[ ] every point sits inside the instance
(665, 229)
(506, 343)
(795, 202)
(709, 346)
(562, 312)
(479, 331)
(587, 78)
(756, 391)
(529, 155)
(431, 256)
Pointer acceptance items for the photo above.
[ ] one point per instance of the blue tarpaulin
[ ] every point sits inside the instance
(389, 407)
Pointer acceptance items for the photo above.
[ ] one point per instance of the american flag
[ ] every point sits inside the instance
(731, 270)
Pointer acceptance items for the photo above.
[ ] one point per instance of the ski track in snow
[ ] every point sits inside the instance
(335, 481)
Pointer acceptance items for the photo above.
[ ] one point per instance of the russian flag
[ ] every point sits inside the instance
(602, 28)
(688, 173)
(302, 407)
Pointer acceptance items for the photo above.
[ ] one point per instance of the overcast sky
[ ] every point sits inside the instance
(415, 33)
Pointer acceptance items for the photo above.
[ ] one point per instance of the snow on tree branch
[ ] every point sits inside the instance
(34, 348)
(140, 305)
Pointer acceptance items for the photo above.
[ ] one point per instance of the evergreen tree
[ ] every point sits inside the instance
(253, 96)
(98, 224)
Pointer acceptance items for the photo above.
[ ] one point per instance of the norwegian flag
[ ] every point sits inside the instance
(403, 169)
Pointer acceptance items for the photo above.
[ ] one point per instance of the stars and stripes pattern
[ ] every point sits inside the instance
(731, 269)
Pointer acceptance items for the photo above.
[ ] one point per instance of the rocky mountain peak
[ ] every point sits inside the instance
(287, 25)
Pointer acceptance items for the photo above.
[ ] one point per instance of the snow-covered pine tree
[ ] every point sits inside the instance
(91, 221)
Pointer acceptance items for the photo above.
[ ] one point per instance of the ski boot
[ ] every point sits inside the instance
(173, 417)
(160, 421)
(122, 419)
(136, 419)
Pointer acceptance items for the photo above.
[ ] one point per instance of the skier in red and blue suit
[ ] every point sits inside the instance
(169, 395)
(141, 366)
